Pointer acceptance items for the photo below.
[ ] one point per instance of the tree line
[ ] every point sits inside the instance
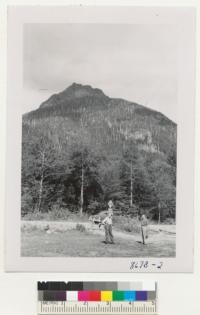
(73, 173)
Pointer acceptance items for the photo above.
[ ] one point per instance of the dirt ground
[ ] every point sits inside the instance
(49, 241)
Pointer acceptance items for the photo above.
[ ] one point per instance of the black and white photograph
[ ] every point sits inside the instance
(99, 119)
(99, 140)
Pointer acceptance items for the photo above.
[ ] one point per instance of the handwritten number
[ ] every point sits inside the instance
(144, 264)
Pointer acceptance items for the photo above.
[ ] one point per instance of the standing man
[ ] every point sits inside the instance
(107, 222)
(144, 228)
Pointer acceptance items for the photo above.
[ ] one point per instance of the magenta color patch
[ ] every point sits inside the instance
(83, 295)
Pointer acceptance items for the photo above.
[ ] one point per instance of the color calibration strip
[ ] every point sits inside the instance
(97, 291)
(106, 296)
(97, 298)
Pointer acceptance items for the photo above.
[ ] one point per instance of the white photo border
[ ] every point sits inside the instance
(183, 19)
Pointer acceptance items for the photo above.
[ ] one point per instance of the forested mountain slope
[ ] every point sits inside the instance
(82, 148)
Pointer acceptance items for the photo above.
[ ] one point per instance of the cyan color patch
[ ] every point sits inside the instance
(129, 296)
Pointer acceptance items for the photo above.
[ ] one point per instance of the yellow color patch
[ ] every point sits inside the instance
(106, 296)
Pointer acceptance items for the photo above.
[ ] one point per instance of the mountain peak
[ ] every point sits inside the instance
(80, 90)
(74, 92)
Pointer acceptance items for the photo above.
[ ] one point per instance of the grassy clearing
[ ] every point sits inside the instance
(66, 218)
(80, 243)
(57, 214)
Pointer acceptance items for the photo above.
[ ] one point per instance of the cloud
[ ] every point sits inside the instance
(136, 62)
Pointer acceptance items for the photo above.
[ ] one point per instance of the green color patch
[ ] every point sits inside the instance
(118, 295)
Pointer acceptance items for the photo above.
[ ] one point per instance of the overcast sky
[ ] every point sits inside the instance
(134, 62)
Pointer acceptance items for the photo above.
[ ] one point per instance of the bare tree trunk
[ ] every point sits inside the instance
(82, 185)
(131, 199)
(159, 213)
(82, 174)
(41, 184)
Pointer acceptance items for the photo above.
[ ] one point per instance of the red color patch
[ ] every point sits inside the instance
(95, 296)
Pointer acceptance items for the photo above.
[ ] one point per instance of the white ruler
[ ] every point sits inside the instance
(97, 308)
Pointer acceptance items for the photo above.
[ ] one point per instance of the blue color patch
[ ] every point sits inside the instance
(129, 296)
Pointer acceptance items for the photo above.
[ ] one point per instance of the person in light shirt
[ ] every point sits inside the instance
(107, 222)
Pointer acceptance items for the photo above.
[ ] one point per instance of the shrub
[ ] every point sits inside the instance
(127, 224)
(26, 203)
(94, 207)
(58, 213)
(128, 227)
(80, 227)
(169, 221)
(35, 216)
